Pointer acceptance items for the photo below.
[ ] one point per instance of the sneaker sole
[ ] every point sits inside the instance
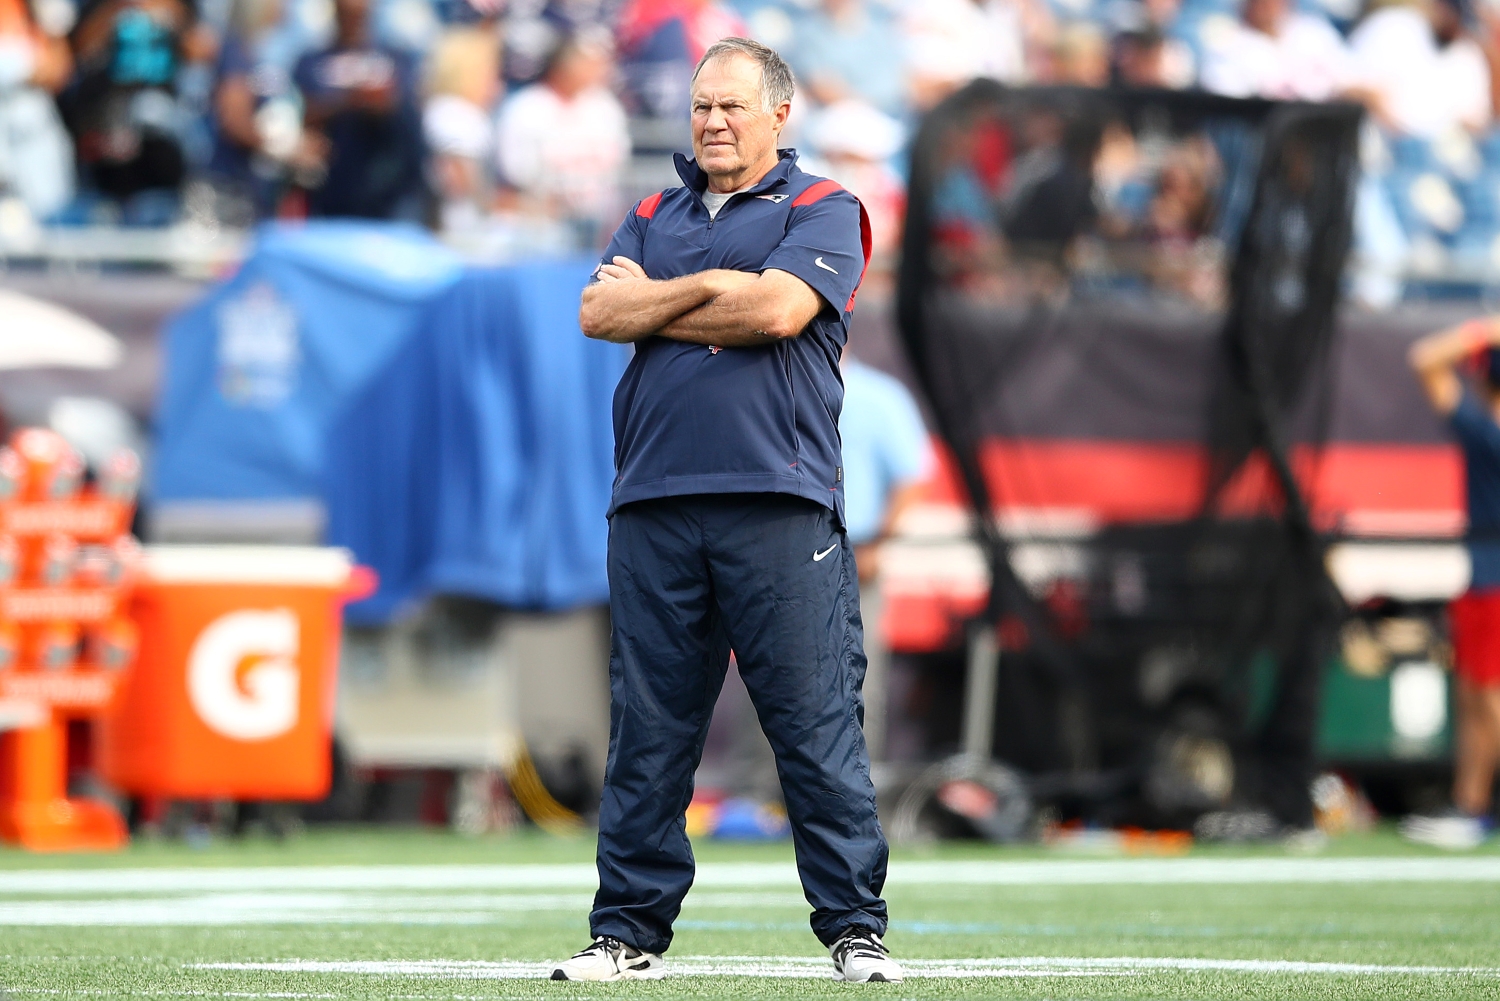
(874, 978)
(656, 974)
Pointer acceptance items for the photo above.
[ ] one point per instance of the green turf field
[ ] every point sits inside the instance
(421, 916)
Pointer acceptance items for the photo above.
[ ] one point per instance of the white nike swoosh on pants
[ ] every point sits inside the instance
(818, 557)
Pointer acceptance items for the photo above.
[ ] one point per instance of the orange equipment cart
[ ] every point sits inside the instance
(66, 564)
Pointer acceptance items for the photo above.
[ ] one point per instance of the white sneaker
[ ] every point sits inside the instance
(861, 958)
(1453, 831)
(609, 959)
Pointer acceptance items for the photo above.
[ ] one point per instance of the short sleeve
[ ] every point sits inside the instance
(907, 455)
(1475, 429)
(455, 127)
(826, 244)
(629, 239)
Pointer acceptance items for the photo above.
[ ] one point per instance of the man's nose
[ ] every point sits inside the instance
(717, 120)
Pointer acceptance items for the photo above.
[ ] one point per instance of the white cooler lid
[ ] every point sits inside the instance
(317, 566)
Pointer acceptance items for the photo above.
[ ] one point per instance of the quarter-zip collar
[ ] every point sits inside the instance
(696, 180)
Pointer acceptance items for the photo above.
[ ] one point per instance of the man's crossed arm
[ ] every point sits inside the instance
(1436, 357)
(731, 309)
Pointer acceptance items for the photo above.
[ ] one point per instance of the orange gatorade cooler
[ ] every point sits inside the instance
(231, 694)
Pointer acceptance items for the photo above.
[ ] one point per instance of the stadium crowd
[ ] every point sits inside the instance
(467, 113)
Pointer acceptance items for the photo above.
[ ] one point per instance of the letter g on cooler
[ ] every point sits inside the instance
(243, 679)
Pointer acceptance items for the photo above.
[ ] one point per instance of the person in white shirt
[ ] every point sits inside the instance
(1276, 52)
(1425, 75)
(854, 144)
(457, 122)
(563, 142)
(36, 155)
(950, 42)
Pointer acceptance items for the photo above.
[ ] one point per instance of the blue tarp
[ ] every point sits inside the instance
(256, 371)
(479, 460)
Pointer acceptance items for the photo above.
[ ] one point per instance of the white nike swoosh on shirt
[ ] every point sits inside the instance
(818, 557)
(819, 262)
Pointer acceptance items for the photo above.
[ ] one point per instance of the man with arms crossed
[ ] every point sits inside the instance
(726, 525)
(1474, 617)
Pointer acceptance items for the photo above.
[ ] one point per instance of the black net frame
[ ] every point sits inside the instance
(1244, 595)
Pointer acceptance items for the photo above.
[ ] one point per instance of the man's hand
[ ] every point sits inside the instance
(620, 269)
(625, 306)
(719, 280)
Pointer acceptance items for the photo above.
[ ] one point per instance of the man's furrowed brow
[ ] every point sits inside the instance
(724, 102)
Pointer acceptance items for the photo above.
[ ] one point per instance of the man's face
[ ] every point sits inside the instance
(583, 68)
(351, 16)
(1447, 22)
(1265, 16)
(731, 130)
(1140, 62)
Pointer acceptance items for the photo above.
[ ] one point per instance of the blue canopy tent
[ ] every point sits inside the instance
(479, 460)
(256, 371)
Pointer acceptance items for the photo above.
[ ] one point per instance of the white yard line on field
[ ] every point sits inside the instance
(776, 967)
(806, 967)
(128, 993)
(1073, 872)
(755, 875)
(286, 907)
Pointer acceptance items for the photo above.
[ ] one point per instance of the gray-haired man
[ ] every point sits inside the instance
(727, 522)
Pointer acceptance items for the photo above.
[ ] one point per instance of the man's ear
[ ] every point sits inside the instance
(780, 115)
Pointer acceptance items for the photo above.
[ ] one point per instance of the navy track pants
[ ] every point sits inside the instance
(772, 577)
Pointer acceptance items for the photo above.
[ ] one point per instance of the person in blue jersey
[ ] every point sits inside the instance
(887, 459)
(727, 521)
(1473, 413)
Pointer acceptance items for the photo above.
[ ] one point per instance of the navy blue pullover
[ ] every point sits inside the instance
(692, 419)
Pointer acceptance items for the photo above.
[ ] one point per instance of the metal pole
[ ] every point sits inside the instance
(979, 692)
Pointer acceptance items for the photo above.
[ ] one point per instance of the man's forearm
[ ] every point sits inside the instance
(1447, 348)
(1437, 356)
(718, 324)
(629, 310)
(774, 307)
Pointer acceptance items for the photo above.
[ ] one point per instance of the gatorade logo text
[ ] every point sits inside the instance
(242, 674)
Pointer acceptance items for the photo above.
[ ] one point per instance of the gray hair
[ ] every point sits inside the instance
(776, 81)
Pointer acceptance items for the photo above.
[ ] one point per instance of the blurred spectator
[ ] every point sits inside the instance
(1426, 75)
(1181, 211)
(1277, 52)
(854, 144)
(361, 102)
(1080, 55)
(36, 155)
(1144, 59)
(886, 458)
(1472, 411)
(534, 28)
(123, 110)
(563, 142)
(847, 49)
(1148, 49)
(1184, 259)
(950, 42)
(462, 85)
(258, 134)
(661, 42)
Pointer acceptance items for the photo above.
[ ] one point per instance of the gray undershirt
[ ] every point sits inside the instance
(714, 201)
